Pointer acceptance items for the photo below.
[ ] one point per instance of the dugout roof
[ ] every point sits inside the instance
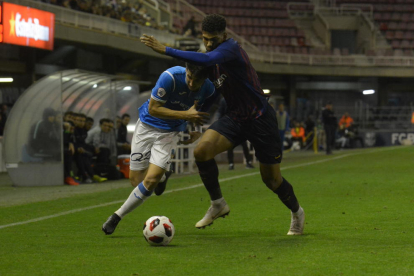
(96, 95)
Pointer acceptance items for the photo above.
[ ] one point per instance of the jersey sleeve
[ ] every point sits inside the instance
(164, 87)
(210, 97)
(218, 56)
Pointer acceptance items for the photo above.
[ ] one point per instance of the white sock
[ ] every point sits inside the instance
(163, 178)
(136, 198)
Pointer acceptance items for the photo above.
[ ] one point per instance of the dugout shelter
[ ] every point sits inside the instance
(42, 107)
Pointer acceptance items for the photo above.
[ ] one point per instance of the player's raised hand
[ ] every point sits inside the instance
(196, 117)
(154, 44)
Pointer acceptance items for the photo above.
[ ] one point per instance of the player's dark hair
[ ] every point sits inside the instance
(89, 119)
(200, 72)
(125, 115)
(214, 23)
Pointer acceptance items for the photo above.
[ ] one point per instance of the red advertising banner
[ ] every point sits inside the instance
(28, 27)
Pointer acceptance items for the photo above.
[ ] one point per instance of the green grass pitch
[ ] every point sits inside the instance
(359, 221)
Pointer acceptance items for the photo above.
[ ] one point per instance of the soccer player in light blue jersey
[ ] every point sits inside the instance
(180, 95)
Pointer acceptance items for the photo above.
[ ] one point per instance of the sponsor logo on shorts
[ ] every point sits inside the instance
(138, 157)
(277, 157)
(182, 93)
(161, 92)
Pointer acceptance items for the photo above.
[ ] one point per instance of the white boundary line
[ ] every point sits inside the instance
(187, 188)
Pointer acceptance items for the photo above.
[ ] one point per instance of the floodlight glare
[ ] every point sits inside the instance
(266, 91)
(6, 79)
(127, 88)
(95, 85)
(368, 92)
(130, 128)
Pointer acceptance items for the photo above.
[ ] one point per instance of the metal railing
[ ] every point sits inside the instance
(181, 5)
(367, 117)
(103, 24)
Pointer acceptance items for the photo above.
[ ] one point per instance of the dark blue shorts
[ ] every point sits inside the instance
(262, 133)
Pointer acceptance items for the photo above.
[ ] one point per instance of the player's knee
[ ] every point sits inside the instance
(134, 181)
(202, 152)
(151, 181)
(199, 153)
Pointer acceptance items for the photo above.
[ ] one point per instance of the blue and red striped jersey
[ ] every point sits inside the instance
(233, 76)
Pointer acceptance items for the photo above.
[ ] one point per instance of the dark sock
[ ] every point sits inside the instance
(287, 196)
(209, 173)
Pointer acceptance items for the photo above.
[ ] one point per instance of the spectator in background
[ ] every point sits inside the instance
(68, 116)
(43, 140)
(230, 153)
(354, 136)
(283, 122)
(83, 151)
(346, 120)
(124, 147)
(190, 28)
(68, 153)
(330, 124)
(298, 135)
(341, 138)
(89, 123)
(101, 138)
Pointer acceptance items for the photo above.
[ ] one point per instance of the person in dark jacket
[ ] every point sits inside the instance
(44, 141)
(124, 147)
(83, 151)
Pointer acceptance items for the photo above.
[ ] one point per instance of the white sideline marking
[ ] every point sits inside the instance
(182, 189)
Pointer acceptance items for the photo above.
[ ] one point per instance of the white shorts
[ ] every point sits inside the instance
(151, 145)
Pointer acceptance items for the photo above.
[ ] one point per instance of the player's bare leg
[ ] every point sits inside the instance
(273, 179)
(144, 182)
(211, 144)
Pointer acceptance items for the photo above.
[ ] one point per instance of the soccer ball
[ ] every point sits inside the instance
(158, 230)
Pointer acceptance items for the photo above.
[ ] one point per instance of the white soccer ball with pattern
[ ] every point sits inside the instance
(158, 230)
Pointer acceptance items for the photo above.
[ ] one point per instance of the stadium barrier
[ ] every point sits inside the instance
(111, 26)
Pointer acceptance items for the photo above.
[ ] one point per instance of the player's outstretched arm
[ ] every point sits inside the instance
(203, 59)
(157, 109)
(154, 44)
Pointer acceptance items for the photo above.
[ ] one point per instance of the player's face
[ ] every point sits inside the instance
(213, 40)
(193, 83)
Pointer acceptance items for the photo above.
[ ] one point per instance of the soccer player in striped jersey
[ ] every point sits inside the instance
(249, 117)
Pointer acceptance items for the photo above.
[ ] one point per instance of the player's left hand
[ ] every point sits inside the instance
(194, 135)
(154, 44)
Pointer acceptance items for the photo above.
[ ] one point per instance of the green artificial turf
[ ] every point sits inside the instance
(358, 207)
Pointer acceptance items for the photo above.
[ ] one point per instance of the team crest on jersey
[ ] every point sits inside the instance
(161, 92)
(219, 82)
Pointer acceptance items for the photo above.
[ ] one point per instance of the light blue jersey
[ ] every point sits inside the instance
(172, 90)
